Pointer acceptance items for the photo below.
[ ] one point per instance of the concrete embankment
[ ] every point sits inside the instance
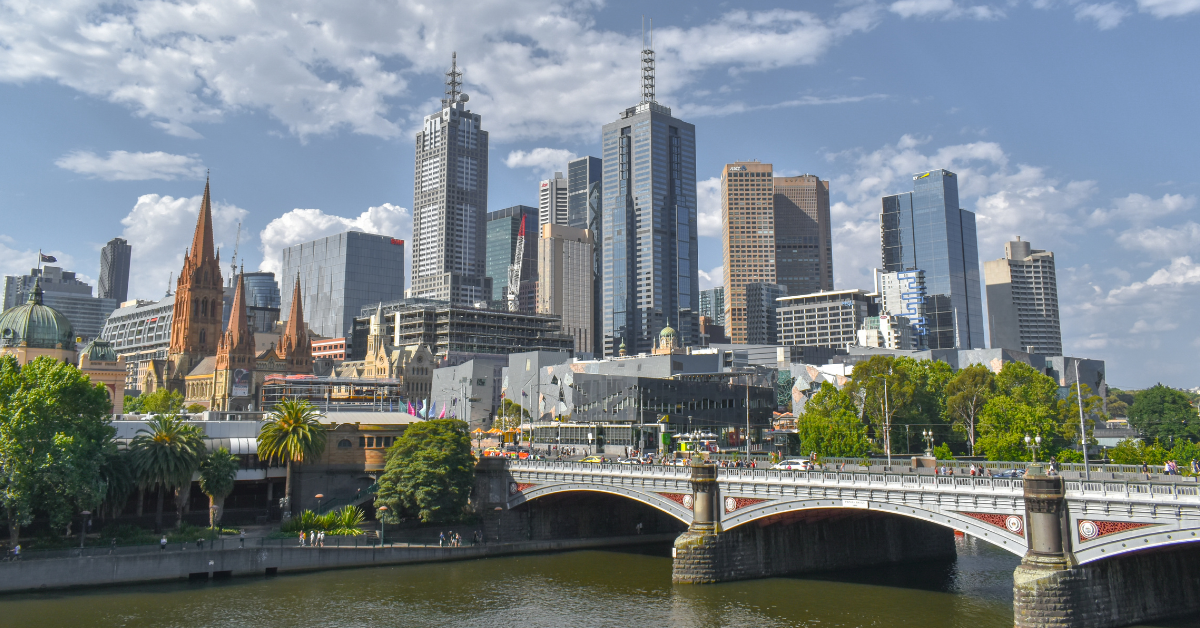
(158, 566)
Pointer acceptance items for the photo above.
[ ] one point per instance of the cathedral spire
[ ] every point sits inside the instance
(294, 330)
(202, 241)
(238, 341)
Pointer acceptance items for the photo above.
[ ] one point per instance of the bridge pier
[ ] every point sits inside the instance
(798, 542)
(1051, 590)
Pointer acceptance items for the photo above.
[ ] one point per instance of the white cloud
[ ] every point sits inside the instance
(544, 161)
(1107, 16)
(322, 66)
(1139, 208)
(946, 9)
(1169, 8)
(124, 166)
(160, 228)
(712, 278)
(303, 225)
(708, 207)
(690, 111)
(1163, 242)
(1182, 271)
(17, 260)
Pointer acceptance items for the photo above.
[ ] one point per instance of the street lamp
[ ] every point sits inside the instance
(1033, 444)
(83, 527)
(591, 436)
(928, 436)
(319, 497)
(382, 509)
(887, 419)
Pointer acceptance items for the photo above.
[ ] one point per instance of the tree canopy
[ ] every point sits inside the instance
(429, 473)
(1164, 413)
(161, 401)
(830, 425)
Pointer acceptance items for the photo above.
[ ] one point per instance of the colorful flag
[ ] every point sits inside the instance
(410, 408)
(48, 258)
(443, 414)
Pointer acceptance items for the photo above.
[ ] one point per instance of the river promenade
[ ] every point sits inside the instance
(95, 567)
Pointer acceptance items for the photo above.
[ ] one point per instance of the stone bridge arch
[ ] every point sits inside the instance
(676, 505)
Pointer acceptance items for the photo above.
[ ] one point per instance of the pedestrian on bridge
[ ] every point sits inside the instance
(242, 539)
(162, 545)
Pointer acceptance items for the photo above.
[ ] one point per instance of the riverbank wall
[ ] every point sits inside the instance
(166, 566)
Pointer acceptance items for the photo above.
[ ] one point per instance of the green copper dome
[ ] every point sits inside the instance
(667, 332)
(99, 351)
(36, 325)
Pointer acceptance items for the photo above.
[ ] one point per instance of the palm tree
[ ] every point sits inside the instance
(164, 455)
(217, 474)
(293, 432)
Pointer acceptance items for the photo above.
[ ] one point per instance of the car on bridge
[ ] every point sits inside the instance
(593, 459)
(795, 465)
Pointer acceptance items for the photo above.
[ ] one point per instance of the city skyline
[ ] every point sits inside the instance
(1014, 179)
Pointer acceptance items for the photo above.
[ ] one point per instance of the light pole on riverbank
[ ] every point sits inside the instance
(382, 509)
(83, 527)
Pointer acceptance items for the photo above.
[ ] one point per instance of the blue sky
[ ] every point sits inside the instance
(1071, 124)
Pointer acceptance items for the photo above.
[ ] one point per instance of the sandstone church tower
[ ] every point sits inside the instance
(199, 296)
(234, 376)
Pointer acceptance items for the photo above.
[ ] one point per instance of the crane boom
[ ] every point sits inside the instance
(514, 271)
(233, 260)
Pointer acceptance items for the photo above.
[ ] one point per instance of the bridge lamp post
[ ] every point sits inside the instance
(928, 436)
(1033, 444)
(887, 417)
(319, 497)
(382, 509)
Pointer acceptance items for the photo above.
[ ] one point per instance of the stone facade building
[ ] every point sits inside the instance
(196, 321)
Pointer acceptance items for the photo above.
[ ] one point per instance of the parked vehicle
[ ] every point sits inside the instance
(794, 465)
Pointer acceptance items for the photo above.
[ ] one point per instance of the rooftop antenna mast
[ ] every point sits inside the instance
(233, 260)
(453, 83)
(647, 63)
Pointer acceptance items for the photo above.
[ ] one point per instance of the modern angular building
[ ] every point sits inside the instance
(553, 201)
(564, 286)
(762, 312)
(503, 229)
(65, 293)
(926, 230)
(712, 304)
(450, 202)
(114, 270)
(339, 274)
(902, 294)
(262, 290)
(648, 238)
(585, 210)
(1022, 297)
(803, 235)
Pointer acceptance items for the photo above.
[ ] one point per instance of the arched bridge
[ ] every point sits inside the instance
(1106, 517)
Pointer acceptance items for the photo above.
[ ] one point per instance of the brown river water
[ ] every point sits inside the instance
(571, 589)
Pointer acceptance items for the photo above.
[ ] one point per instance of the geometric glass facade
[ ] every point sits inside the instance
(926, 230)
(585, 184)
(262, 290)
(503, 227)
(114, 270)
(712, 304)
(340, 274)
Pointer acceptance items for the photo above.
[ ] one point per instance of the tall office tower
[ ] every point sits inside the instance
(747, 237)
(649, 233)
(341, 273)
(450, 202)
(762, 312)
(114, 271)
(1022, 297)
(565, 281)
(503, 228)
(712, 304)
(803, 239)
(585, 183)
(902, 294)
(553, 202)
(262, 290)
(926, 230)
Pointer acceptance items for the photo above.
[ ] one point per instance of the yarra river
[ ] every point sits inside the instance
(574, 589)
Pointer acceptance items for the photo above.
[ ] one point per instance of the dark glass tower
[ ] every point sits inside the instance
(926, 230)
(503, 226)
(114, 270)
(585, 209)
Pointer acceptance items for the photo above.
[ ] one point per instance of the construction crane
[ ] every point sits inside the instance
(514, 271)
(170, 278)
(233, 260)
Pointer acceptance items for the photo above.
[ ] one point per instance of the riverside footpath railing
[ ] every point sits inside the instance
(364, 541)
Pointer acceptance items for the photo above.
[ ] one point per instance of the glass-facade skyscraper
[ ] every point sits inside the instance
(648, 235)
(114, 270)
(339, 274)
(926, 230)
(585, 210)
(503, 225)
(262, 290)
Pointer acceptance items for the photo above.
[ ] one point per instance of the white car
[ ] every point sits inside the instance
(794, 465)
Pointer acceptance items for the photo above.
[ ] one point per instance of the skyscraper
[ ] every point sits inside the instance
(564, 285)
(803, 239)
(649, 238)
(762, 312)
(902, 295)
(114, 271)
(926, 230)
(450, 202)
(712, 304)
(585, 184)
(262, 290)
(503, 227)
(747, 237)
(1022, 298)
(341, 273)
(64, 292)
(552, 201)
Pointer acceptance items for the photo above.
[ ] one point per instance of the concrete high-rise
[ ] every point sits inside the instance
(552, 201)
(1022, 298)
(564, 285)
(503, 229)
(803, 236)
(62, 291)
(649, 239)
(712, 304)
(450, 202)
(762, 312)
(926, 230)
(747, 237)
(114, 271)
(585, 210)
(341, 273)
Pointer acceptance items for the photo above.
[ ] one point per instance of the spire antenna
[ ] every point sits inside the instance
(453, 82)
(648, 65)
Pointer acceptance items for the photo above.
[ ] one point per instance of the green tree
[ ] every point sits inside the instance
(161, 401)
(116, 472)
(1026, 404)
(164, 455)
(217, 474)
(830, 425)
(1134, 451)
(509, 416)
(292, 433)
(1163, 413)
(195, 408)
(429, 473)
(1118, 402)
(966, 395)
(882, 391)
(783, 391)
(54, 433)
